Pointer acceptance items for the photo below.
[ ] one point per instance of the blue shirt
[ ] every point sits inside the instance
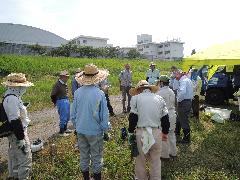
(75, 85)
(185, 90)
(89, 112)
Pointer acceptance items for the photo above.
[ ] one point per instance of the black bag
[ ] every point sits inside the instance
(5, 129)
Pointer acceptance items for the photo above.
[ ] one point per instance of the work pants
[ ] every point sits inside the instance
(125, 94)
(195, 106)
(153, 156)
(63, 106)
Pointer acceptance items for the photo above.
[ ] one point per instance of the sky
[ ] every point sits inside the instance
(198, 23)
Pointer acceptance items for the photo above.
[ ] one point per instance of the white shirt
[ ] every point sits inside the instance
(149, 107)
(169, 97)
(185, 90)
(15, 109)
(153, 75)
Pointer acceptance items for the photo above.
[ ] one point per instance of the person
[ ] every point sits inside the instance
(173, 83)
(125, 80)
(60, 99)
(19, 153)
(203, 74)
(197, 84)
(152, 74)
(148, 113)
(169, 148)
(104, 86)
(75, 84)
(184, 103)
(90, 117)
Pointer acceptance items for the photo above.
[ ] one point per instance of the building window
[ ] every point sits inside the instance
(84, 41)
(167, 52)
(160, 53)
(140, 49)
(167, 45)
(161, 46)
(146, 46)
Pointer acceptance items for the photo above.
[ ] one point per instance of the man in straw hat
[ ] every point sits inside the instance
(19, 153)
(152, 74)
(169, 148)
(91, 119)
(151, 114)
(60, 99)
(125, 79)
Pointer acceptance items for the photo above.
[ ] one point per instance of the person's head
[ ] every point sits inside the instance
(152, 66)
(64, 76)
(142, 85)
(178, 74)
(92, 75)
(163, 80)
(78, 70)
(173, 69)
(17, 82)
(194, 74)
(127, 66)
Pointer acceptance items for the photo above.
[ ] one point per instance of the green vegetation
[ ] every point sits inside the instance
(43, 72)
(213, 154)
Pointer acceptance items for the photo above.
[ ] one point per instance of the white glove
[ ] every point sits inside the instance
(21, 144)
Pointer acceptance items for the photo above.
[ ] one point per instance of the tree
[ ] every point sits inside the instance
(133, 54)
(36, 48)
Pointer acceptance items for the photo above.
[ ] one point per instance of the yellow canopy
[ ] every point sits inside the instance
(222, 54)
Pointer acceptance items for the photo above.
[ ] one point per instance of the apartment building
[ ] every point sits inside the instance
(168, 50)
(95, 42)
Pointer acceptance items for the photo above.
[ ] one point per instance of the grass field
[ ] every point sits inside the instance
(43, 72)
(213, 154)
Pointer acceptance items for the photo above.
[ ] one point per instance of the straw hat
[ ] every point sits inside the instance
(142, 84)
(17, 80)
(92, 75)
(64, 73)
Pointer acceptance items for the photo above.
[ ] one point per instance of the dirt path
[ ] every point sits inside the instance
(44, 124)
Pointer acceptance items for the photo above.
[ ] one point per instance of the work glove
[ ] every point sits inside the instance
(131, 138)
(106, 136)
(21, 144)
(164, 137)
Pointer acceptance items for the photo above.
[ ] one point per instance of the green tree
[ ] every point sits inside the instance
(133, 54)
(37, 49)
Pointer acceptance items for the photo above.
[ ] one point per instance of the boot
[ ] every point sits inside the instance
(86, 175)
(97, 176)
(186, 138)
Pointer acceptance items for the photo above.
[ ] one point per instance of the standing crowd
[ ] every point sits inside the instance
(158, 107)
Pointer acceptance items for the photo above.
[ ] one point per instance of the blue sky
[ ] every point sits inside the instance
(198, 23)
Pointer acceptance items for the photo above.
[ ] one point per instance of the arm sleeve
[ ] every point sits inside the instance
(181, 91)
(132, 122)
(54, 94)
(104, 114)
(74, 111)
(17, 128)
(133, 104)
(74, 86)
(165, 124)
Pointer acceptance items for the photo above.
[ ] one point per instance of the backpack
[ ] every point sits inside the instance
(5, 128)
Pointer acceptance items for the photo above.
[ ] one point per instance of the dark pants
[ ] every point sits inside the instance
(183, 109)
(110, 109)
(125, 94)
(195, 106)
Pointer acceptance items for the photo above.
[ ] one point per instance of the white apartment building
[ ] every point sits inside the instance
(168, 50)
(95, 42)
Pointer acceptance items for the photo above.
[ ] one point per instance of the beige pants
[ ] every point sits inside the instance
(153, 156)
(19, 164)
(169, 146)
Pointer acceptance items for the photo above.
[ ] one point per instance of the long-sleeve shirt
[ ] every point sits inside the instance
(125, 78)
(185, 90)
(59, 91)
(152, 76)
(169, 97)
(89, 112)
(150, 108)
(75, 85)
